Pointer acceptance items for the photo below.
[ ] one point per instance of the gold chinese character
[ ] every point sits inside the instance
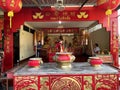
(72, 13)
(47, 14)
(65, 13)
(56, 13)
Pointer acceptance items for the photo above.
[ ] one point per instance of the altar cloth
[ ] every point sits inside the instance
(77, 68)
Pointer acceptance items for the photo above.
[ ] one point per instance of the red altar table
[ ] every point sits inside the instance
(82, 76)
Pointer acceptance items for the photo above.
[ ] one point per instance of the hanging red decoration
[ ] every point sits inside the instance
(108, 13)
(108, 4)
(18, 7)
(11, 6)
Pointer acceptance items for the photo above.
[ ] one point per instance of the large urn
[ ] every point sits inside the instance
(64, 59)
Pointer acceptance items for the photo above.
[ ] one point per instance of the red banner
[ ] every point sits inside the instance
(114, 42)
(61, 30)
(64, 16)
(1, 27)
(7, 62)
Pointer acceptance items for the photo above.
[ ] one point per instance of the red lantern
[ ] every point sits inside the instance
(11, 6)
(18, 7)
(108, 4)
(113, 4)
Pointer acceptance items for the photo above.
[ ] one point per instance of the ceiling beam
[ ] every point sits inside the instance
(43, 1)
(83, 4)
(37, 4)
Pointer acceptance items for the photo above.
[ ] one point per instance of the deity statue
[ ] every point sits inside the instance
(59, 45)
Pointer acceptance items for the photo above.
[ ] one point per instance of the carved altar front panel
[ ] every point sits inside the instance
(26, 83)
(67, 82)
(106, 82)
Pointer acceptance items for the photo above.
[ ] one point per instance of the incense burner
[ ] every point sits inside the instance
(64, 59)
(95, 61)
(35, 62)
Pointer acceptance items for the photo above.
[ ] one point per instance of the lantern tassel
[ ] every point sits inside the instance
(108, 13)
(10, 22)
(108, 20)
(10, 14)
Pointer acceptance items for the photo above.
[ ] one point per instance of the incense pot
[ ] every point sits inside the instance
(35, 62)
(64, 59)
(95, 61)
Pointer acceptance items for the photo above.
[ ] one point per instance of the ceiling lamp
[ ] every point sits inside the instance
(59, 5)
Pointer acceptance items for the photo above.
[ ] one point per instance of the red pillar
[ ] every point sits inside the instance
(114, 39)
(8, 47)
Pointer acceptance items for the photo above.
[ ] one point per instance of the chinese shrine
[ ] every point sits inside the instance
(62, 28)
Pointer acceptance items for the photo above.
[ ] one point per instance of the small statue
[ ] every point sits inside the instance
(59, 45)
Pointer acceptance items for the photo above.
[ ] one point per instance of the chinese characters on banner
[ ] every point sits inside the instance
(61, 30)
(1, 27)
(114, 43)
(63, 16)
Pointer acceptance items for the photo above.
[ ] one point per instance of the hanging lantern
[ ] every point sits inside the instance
(18, 7)
(11, 6)
(108, 13)
(113, 4)
(108, 4)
